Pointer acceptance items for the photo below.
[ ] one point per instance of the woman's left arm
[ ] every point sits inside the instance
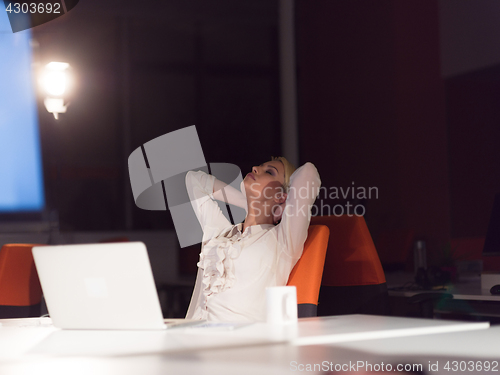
(304, 188)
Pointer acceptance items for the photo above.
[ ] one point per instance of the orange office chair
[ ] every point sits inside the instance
(353, 280)
(307, 273)
(20, 290)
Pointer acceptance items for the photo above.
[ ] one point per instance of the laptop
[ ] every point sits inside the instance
(101, 286)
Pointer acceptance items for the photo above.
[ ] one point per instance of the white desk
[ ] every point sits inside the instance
(477, 344)
(27, 347)
(465, 349)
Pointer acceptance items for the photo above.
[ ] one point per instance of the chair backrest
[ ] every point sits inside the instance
(19, 283)
(307, 273)
(351, 258)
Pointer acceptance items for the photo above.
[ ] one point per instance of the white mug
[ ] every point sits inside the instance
(281, 304)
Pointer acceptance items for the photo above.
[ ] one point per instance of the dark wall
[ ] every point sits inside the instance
(143, 73)
(372, 108)
(474, 135)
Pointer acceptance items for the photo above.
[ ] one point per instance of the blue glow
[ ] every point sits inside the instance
(21, 179)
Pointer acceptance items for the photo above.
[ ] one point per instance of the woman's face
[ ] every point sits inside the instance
(265, 180)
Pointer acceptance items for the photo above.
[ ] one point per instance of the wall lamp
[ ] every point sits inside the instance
(56, 80)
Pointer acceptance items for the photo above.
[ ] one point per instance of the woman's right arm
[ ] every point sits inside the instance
(228, 194)
(200, 187)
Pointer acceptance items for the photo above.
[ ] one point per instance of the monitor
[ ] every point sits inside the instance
(21, 182)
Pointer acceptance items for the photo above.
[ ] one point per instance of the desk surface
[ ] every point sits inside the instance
(32, 337)
(29, 346)
(478, 344)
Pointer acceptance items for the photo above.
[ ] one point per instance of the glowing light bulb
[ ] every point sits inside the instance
(55, 79)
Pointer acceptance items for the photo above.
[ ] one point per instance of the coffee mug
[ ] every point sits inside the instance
(281, 304)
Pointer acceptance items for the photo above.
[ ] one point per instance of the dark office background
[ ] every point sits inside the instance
(399, 95)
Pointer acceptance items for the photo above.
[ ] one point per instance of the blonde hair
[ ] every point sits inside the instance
(289, 169)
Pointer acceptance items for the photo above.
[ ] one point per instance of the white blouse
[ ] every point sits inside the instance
(235, 267)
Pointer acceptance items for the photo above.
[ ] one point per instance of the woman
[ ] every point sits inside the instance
(237, 262)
